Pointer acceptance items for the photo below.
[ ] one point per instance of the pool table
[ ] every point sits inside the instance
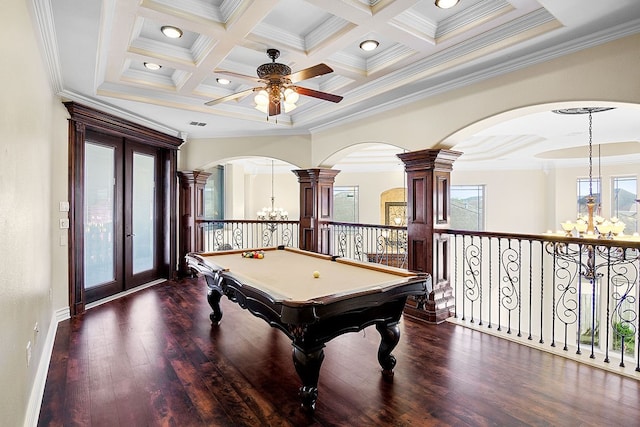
(280, 288)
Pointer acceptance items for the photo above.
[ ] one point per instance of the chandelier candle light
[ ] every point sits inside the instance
(272, 213)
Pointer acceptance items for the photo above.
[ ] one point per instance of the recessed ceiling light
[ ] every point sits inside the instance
(446, 4)
(369, 45)
(171, 32)
(223, 81)
(152, 66)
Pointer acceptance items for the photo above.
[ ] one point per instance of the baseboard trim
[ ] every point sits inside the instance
(37, 390)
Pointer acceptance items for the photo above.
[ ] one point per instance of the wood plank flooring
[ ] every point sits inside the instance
(153, 359)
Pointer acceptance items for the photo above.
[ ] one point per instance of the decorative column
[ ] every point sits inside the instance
(428, 183)
(191, 197)
(316, 207)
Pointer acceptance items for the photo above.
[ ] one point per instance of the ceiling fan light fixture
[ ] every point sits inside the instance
(262, 98)
(152, 66)
(369, 45)
(446, 4)
(290, 96)
(171, 31)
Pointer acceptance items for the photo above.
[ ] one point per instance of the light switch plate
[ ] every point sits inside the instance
(64, 223)
(64, 206)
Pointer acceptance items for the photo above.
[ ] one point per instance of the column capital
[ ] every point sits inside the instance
(316, 174)
(429, 159)
(194, 177)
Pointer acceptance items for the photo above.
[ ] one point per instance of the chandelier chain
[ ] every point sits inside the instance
(590, 154)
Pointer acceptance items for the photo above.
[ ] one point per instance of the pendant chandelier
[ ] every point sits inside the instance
(591, 224)
(272, 213)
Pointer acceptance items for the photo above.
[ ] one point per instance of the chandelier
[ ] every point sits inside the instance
(591, 224)
(272, 213)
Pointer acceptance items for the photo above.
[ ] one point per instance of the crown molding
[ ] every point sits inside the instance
(118, 112)
(43, 17)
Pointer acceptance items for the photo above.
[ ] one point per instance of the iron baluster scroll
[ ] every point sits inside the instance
(472, 273)
(624, 317)
(510, 263)
(565, 303)
(594, 262)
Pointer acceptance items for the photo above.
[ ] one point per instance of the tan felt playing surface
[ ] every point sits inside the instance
(288, 275)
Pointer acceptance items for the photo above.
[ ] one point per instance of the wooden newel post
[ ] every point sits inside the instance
(316, 207)
(191, 196)
(428, 183)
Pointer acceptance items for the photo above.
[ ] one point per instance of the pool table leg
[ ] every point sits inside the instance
(213, 298)
(307, 366)
(390, 334)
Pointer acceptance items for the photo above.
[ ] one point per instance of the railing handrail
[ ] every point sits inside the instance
(246, 221)
(547, 237)
(356, 224)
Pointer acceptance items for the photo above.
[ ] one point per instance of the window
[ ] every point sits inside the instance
(345, 204)
(583, 193)
(623, 202)
(467, 207)
(214, 194)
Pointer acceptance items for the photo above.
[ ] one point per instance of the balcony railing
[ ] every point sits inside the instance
(217, 235)
(577, 294)
(367, 242)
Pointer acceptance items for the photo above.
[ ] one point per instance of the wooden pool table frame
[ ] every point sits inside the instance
(311, 324)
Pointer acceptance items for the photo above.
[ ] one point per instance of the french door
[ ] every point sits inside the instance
(121, 215)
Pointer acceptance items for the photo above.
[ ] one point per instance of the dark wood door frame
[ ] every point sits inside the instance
(85, 119)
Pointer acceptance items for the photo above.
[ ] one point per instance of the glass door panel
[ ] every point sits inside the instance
(99, 225)
(143, 213)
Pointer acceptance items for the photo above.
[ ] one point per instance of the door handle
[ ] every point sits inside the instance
(131, 235)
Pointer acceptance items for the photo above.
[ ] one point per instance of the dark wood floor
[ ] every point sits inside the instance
(153, 359)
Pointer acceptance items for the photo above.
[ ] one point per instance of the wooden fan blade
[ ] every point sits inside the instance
(237, 75)
(307, 73)
(317, 94)
(230, 97)
(274, 108)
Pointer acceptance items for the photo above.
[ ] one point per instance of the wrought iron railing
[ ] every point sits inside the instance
(382, 244)
(364, 242)
(578, 293)
(217, 235)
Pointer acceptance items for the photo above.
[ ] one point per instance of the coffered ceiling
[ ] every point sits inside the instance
(97, 50)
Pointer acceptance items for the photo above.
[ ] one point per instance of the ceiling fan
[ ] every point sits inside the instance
(280, 90)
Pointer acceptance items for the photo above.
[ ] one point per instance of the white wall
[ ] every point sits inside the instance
(515, 201)
(32, 181)
(370, 187)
